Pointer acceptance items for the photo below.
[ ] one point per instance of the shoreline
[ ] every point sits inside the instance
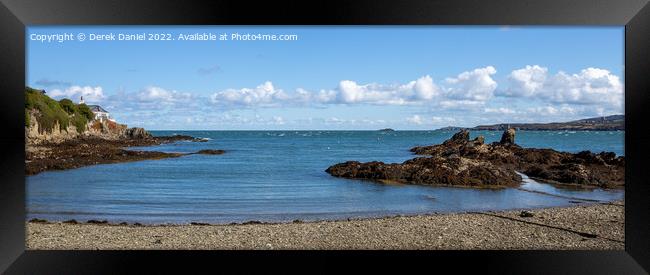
(571, 204)
(589, 226)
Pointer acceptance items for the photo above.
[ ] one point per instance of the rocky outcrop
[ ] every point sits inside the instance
(585, 168)
(429, 171)
(107, 130)
(54, 148)
(34, 135)
(136, 133)
(464, 162)
(458, 138)
(508, 137)
(210, 152)
(84, 151)
(180, 138)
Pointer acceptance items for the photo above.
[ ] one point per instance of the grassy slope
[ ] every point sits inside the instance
(50, 111)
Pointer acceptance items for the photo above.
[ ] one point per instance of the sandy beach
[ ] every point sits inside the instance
(595, 226)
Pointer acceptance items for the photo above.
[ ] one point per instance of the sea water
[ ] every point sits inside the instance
(279, 176)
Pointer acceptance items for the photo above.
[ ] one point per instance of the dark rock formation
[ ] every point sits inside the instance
(210, 152)
(174, 138)
(84, 151)
(526, 214)
(508, 137)
(253, 222)
(480, 140)
(458, 138)
(430, 171)
(137, 133)
(460, 161)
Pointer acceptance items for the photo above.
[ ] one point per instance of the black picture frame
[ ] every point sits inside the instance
(634, 14)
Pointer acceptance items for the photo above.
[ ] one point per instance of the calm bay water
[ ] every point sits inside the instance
(279, 176)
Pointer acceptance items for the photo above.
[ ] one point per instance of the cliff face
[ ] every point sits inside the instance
(34, 134)
(54, 121)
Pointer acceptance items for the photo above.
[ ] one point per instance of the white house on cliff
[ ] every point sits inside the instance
(100, 113)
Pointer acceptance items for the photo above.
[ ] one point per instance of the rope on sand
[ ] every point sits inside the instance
(583, 234)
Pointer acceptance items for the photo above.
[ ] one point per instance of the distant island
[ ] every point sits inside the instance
(605, 123)
(452, 128)
(386, 130)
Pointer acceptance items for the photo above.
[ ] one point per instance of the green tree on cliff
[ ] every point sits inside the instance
(49, 112)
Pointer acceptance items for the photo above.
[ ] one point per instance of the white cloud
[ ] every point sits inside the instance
(434, 120)
(439, 120)
(469, 90)
(415, 119)
(357, 122)
(304, 97)
(262, 95)
(551, 110)
(476, 85)
(278, 120)
(336, 120)
(347, 92)
(500, 110)
(526, 81)
(157, 94)
(461, 104)
(74, 93)
(351, 92)
(422, 89)
(425, 89)
(531, 94)
(591, 86)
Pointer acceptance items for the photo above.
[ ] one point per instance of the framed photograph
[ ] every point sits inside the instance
(144, 132)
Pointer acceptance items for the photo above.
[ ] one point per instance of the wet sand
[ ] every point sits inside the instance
(594, 226)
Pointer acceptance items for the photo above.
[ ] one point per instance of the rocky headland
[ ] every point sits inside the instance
(460, 161)
(62, 135)
(605, 123)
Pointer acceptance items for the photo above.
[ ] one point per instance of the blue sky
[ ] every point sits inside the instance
(410, 77)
